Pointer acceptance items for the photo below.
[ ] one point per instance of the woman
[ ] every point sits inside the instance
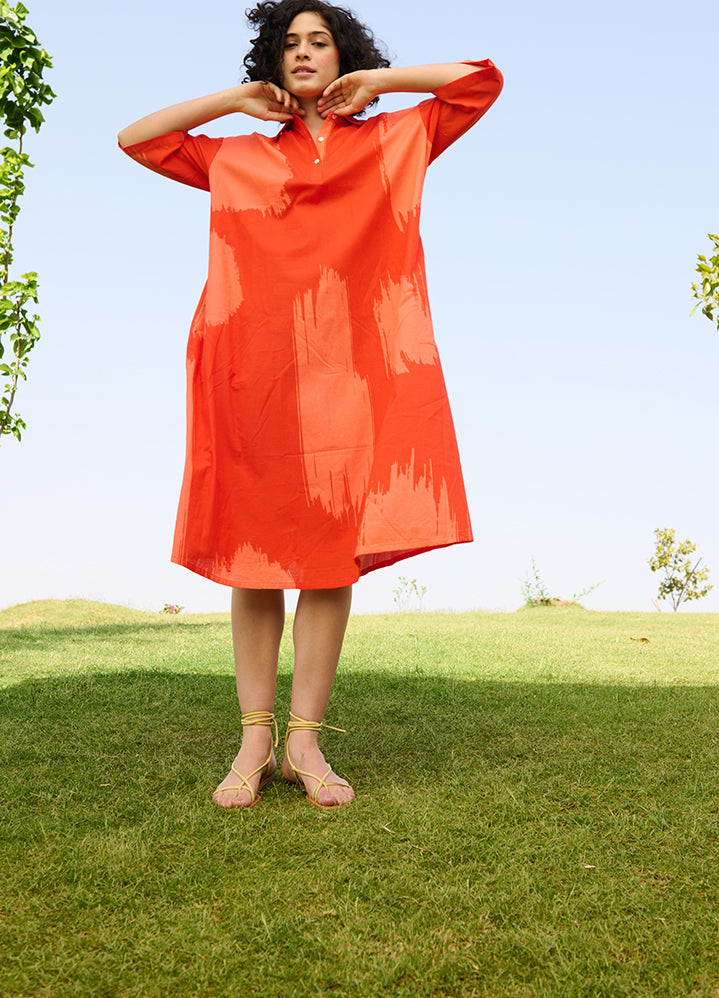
(320, 442)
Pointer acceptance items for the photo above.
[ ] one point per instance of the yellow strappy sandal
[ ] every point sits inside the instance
(264, 719)
(299, 724)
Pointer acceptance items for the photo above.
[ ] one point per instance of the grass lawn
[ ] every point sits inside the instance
(536, 816)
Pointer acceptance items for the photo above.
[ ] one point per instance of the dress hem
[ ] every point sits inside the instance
(386, 559)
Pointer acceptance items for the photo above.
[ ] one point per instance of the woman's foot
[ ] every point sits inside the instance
(254, 766)
(304, 763)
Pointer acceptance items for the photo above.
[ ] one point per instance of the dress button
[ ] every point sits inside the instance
(321, 138)
(316, 162)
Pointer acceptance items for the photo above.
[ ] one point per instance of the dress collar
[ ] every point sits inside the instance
(289, 126)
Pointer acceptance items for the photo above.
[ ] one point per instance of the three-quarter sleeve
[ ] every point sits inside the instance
(179, 156)
(458, 105)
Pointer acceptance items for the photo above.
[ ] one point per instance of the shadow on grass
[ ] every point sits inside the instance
(67, 744)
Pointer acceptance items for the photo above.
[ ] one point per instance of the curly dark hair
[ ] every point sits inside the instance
(356, 43)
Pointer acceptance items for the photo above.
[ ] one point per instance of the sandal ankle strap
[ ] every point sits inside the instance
(261, 718)
(300, 724)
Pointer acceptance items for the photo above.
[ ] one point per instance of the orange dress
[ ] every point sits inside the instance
(320, 443)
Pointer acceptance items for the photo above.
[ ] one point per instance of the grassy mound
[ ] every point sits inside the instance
(71, 613)
(82, 614)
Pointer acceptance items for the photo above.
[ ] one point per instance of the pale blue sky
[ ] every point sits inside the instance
(561, 235)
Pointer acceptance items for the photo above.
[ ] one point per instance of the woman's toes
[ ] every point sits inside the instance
(335, 794)
(237, 790)
(321, 784)
(232, 797)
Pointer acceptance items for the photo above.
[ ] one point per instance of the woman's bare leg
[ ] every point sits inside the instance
(258, 617)
(319, 630)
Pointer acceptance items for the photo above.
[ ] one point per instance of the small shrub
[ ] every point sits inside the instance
(682, 581)
(535, 593)
(406, 591)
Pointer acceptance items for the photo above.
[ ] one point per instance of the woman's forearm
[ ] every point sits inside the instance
(420, 79)
(182, 117)
(350, 93)
(265, 101)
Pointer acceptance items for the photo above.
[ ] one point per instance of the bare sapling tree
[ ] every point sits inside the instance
(681, 580)
(22, 94)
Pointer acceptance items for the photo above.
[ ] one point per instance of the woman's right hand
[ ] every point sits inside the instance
(268, 102)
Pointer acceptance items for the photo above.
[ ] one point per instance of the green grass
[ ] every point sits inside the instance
(536, 816)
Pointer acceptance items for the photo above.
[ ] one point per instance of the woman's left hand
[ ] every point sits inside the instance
(349, 94)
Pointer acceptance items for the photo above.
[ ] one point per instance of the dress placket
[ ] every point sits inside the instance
(320, 143)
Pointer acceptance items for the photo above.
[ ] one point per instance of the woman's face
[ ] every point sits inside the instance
(311, 60)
